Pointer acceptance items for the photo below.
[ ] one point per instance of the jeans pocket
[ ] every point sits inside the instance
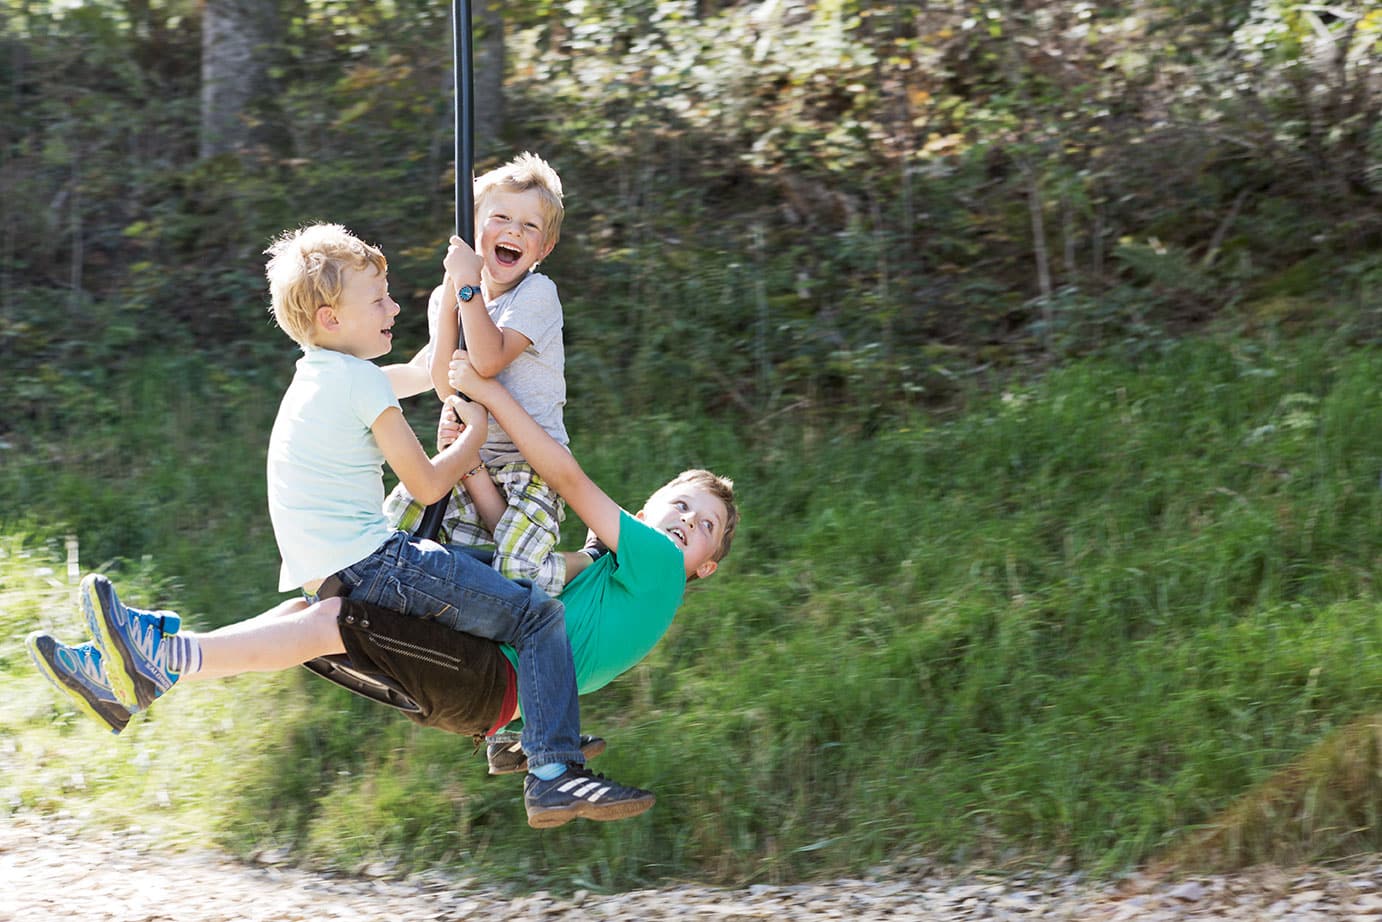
(410, 596)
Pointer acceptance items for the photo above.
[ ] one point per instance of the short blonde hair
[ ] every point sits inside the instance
(306, 270)
(722, 488)
(524, 172)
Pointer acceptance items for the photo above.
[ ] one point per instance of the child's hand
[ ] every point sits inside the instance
(464, 378)
(472, 414)
(449, 425)
(462, 264)
(458, 414)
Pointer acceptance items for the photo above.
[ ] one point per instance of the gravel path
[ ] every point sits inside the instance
(46, 873)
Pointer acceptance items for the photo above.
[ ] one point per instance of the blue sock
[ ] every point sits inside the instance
(549, 771)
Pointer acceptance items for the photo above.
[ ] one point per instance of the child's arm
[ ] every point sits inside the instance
(445, 339)
(547, 456)
(491, 348)
(489, 502)
(410, 378)
(429, 479)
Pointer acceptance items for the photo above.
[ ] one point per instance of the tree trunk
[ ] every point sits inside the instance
(238, 48)
(489, 76)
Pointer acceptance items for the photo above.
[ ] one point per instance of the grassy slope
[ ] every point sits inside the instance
(1076, 620)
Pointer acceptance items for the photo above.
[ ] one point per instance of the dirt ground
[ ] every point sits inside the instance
(48, 872)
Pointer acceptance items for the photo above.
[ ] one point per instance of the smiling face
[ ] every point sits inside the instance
(695, 521)
(360, 323)
(513, 237)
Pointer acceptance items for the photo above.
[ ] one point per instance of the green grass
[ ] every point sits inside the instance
(1079, 619)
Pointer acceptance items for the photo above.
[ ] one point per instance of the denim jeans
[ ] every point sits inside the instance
(445, 583)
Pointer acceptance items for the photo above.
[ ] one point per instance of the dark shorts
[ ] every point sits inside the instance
(458, 681)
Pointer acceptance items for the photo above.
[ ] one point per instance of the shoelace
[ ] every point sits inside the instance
(146, 629)
(86, 662)
(584, 772)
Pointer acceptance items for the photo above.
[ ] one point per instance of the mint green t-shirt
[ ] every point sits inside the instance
(619, 607)
(325, 470)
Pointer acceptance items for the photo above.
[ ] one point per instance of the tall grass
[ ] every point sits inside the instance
(1078, 619)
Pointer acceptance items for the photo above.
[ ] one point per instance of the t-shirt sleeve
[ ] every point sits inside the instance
(371, 394)
(534, 310)
(647, 562)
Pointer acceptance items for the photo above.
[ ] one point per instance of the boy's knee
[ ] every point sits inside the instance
(548, 574)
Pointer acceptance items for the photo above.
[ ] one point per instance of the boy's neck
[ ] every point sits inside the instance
(324, 347)
(494, 290)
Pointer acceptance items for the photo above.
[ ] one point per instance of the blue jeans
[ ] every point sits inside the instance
(443, 582)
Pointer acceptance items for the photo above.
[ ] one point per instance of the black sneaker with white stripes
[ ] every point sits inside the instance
(505, 755)
(578, 792)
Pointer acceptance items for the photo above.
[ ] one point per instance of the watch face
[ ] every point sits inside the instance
(466, 292)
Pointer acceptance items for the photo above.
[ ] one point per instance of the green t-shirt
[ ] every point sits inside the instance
(619, 607)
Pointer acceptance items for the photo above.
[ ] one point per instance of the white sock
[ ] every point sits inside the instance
(181, 654)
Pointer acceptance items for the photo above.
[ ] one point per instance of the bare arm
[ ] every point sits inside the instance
(491, 348)
(446, 340)
(429, 479)
(548, 457)
(411, 378)
(489, 502)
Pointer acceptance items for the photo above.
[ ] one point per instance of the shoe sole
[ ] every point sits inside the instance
(590, 750)
(36, 642)
(559, 816)
(125, 680)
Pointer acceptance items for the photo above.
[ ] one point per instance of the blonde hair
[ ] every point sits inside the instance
(306, 270)
(722, 488)
(524, 172)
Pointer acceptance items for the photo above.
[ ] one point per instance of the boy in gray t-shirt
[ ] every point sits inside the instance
(508, 318)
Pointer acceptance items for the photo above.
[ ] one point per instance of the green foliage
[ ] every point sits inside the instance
(825, 247)
(803, 197)
(1086, 614)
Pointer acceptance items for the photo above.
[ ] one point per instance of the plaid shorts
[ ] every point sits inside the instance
(528, 532)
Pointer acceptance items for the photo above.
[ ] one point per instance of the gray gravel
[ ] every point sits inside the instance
(48, 873)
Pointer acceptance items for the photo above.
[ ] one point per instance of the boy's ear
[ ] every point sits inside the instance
(326, 318)
(707, 568)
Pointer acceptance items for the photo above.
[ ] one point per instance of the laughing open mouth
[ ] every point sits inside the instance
(506, 255)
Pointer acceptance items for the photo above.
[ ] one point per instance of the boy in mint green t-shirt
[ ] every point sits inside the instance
(618, 605)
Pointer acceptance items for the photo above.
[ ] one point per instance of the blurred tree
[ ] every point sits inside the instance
(489, 76)
(239, 50)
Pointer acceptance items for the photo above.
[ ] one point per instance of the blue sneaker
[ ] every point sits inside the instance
(80, 673)
(132, 641)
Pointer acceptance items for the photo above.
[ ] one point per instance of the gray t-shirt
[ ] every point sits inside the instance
(537, 378)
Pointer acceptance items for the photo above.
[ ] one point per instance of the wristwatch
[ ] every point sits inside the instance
(466, 292)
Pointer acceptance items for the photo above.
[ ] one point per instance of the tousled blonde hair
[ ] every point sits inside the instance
(306, 270)
(524, 172)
